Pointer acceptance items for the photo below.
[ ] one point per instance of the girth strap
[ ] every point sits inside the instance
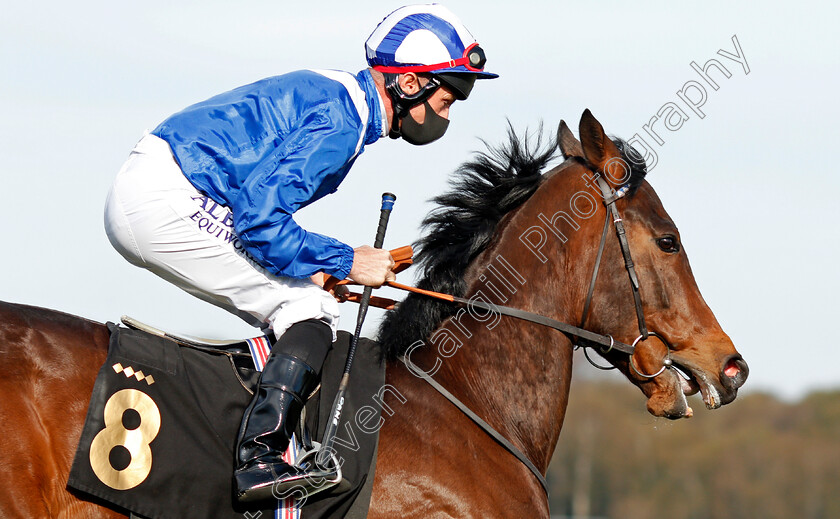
(501, 440)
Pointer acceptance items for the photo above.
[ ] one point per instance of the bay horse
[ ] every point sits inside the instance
(508, 234)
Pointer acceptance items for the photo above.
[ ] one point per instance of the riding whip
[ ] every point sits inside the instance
(335, 415)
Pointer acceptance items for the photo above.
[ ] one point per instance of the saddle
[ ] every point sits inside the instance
(160, 433)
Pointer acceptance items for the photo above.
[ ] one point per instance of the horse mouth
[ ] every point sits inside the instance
(693, 379)
(688, 383)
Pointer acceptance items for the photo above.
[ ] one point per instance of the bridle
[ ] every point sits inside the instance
(606, 342)
(580, 336)
(610, 199)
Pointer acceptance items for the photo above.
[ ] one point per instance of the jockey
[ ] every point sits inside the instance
(206, 201)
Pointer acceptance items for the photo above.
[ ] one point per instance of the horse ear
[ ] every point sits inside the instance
(599, 150)
(569, 145)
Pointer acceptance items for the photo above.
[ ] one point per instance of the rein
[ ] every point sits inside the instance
(607, 342)
(577, 332)
(493, 433)
(604, 340)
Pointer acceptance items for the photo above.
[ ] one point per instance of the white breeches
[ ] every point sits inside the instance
(157, 220)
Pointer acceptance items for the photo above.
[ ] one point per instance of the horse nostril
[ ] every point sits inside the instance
(735, 372)
(732, 369)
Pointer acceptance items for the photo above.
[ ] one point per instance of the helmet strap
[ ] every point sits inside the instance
(402, 103)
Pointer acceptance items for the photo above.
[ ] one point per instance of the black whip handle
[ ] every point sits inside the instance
(388, 200)
(327, 449)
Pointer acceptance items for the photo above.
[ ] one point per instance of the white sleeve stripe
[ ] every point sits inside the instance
(357, 95)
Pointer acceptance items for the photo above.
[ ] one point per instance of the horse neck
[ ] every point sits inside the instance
(515, 374)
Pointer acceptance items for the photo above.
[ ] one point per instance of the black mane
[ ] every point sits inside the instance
(463, 224)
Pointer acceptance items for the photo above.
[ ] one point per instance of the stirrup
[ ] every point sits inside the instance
(332, 475)
(300, 480)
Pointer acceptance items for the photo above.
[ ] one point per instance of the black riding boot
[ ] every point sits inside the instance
(271, 418)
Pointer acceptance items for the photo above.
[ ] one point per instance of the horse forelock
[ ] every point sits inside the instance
(632, 157)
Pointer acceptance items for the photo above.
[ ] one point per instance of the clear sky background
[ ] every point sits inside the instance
(752, 186)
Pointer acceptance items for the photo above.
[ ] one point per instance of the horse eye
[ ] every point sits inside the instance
(668, 244)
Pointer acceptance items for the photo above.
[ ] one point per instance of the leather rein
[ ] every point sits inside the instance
(607, 342)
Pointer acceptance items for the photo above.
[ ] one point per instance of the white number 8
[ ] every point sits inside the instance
(136, 440)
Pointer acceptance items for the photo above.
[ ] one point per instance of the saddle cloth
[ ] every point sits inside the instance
(162, 423)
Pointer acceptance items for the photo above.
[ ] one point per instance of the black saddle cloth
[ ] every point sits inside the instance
(161, 428)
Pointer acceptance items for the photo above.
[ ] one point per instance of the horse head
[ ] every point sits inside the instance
(684, 334)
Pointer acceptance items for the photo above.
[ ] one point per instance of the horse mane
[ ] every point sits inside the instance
(482, 191)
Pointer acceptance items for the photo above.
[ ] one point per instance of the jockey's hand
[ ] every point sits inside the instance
(339, 292)
(372, 267)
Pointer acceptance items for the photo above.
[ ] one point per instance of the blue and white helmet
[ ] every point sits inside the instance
(427, 38)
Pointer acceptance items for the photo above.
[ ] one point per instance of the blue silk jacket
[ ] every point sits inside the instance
(269, 148)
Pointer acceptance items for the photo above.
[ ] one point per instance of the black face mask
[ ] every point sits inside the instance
(432, 129)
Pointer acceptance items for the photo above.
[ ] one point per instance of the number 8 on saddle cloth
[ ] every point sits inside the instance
(163, 419)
